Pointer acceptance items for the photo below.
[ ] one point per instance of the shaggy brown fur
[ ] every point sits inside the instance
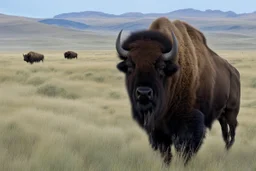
(201, 88)
(194, 61)
(32, 57)
(70, 55)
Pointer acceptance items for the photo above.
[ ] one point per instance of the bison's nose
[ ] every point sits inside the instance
(144, 92)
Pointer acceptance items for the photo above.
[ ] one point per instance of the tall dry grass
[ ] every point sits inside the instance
(64, 115)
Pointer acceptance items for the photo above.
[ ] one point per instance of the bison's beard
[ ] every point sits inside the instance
(150, 118)
(147, 113)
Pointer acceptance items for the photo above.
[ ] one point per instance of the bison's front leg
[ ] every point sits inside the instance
(190, 135)
(162, 142)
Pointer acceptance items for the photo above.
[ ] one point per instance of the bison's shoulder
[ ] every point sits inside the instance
(32, 53)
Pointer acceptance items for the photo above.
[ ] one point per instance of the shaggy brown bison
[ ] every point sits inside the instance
(32, 57)
(178, 87)
(70, 55)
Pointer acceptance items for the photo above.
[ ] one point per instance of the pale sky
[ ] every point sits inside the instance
(49, 8)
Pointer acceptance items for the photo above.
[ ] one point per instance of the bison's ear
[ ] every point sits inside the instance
(170, 68)
(122, 67)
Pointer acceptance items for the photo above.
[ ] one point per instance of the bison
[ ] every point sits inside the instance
(70, 55)
(178, 86)
(33, 57)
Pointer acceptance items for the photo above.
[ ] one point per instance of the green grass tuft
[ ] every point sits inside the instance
(253, 83)
(55, 91)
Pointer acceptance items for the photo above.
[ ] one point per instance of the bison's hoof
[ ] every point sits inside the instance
(229, 144)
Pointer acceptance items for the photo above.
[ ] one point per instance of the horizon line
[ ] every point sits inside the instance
(128, 12)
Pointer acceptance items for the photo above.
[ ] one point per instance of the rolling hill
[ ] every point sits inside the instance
(65, 23)
(18, 33)
(98, 30)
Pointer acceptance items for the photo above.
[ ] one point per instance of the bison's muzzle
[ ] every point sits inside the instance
(144, 95)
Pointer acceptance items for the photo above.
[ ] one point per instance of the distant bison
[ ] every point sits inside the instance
(70, 55)
(32, 57)
(178, 87)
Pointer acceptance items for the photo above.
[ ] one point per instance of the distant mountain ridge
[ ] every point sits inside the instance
(190, 12)
(208, 20)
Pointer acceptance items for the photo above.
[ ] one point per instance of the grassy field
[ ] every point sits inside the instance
(64, 115)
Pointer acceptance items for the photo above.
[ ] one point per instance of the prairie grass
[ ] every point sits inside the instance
(64, 115)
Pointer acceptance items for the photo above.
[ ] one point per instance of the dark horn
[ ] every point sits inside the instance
(123, 53)
(174, 52)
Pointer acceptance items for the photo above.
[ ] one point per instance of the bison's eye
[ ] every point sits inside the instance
(130, 67)
(161, 72)
(129, 70)
(160, 69)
